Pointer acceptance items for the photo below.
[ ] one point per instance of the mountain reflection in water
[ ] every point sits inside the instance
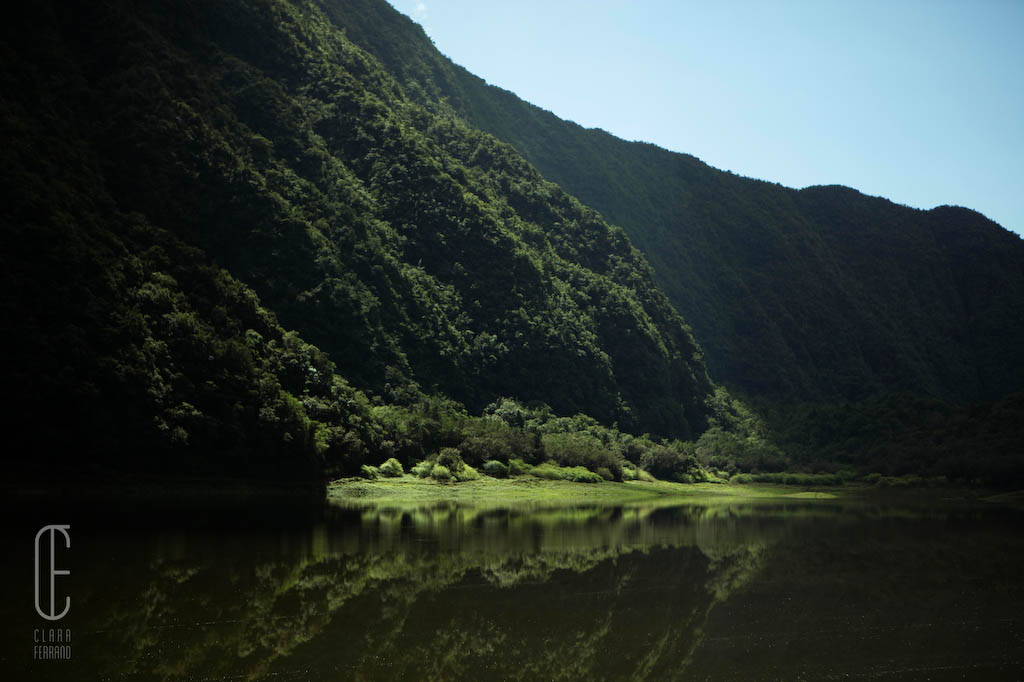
(769, 591)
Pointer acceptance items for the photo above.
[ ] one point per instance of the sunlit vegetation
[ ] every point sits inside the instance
(840, 316)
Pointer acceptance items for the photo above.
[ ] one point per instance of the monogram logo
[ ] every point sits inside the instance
(53, 572)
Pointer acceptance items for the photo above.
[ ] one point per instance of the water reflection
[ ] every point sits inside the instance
(638, 593)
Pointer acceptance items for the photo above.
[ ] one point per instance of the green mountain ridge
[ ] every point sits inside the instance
(180, 171)
(815, 294)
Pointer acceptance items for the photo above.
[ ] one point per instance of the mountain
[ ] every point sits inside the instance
(288, 239)
(233, 244)
(821, 294)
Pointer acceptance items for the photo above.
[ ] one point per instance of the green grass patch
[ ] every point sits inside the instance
(486, 491)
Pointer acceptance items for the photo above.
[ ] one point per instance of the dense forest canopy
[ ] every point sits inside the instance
(190, 182)
(288, 239)
(814, 294)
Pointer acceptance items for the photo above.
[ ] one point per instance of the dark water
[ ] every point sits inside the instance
(795, 591)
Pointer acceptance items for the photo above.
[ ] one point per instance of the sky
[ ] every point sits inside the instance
(921, 102)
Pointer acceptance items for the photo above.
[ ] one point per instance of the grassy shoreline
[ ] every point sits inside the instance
(409, 490)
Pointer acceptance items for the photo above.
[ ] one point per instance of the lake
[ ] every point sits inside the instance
(264, 590)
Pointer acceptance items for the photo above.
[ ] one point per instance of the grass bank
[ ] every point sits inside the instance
(410, 490)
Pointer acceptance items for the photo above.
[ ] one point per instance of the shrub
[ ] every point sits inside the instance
(552, 472)
(582, 449)
(718, 477)
(441, 473)
(517, 467)
(496, 469)
(672, 463)
(548, 471)
(605, 473)
(581, 475)
(423, 468)
(466, 473)
(629, 473)
(391, 468)
(370, 472)
(450, 458)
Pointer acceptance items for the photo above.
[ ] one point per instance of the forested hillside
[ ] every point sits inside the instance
(187, 182)
(869, 335)
(284, 239)
(818, 294)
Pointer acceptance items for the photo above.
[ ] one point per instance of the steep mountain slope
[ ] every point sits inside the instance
(177, 171)
(237, 244)
(818, 294)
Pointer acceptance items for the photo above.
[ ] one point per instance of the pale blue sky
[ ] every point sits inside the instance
(919, 101)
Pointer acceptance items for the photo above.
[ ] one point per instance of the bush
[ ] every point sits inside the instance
(422, 469)
(548, 471)
(495, 469)
(629, 473)
(466, 473)
(441, 473)
(573, 449)
(717, 477)
(450, 458)
(517, 467)
(672, 463)
(391, 468)
(581, 475)
(605, 473)
(367, 471)
(552, 472)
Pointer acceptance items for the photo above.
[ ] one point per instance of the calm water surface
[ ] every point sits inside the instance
(265, 591)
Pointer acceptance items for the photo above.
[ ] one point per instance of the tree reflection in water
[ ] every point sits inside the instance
(617, 593)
